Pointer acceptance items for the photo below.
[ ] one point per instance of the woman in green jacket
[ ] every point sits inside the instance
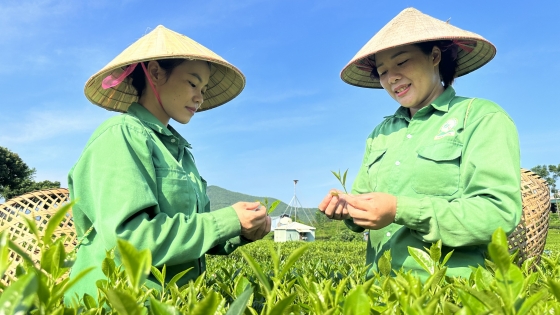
(443, 167)
(136, 178)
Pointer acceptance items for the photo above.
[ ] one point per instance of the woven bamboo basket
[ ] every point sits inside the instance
(529, 237)
(40, 205)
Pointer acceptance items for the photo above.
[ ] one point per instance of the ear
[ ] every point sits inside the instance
(155, 72)
(436, 55)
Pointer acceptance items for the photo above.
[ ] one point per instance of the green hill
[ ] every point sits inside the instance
(221, 198)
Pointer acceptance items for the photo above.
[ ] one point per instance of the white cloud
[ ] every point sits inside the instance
(37, 126)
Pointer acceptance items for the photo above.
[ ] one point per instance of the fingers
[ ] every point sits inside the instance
(325, 202)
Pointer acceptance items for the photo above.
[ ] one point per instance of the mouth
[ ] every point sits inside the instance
(191, 109)
(401, 89)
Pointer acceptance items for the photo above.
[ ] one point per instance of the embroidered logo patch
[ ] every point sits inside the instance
(447, 129)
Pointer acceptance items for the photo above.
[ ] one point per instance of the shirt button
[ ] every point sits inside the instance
(173, 140)
(409, 136)
(388, 234)
(397, 163)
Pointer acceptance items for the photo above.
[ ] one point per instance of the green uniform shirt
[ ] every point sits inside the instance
(455, 174)
(137, 180)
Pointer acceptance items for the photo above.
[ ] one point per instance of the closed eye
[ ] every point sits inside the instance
(401, 63)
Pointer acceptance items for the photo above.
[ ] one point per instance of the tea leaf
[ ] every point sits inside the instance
(422, 258)
(54, 222)
(159, 308)
(273, 206)
(554, 288)
(531, 301)
(89, 301)
(282, 306)
(137, 264)
(178, 276)
(258, 270)
(240, 303)
(435, 251)
(157, 274)
(384, 263)
(32, 227)
(500, 256)
(294, 256)
(208, 305)
(341, 179)
(18, 297)
(4, 253)
(123, 302)
(357, 302)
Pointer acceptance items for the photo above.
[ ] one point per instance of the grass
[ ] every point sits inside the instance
(553, 237)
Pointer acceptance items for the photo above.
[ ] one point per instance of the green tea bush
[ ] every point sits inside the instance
(287, 278)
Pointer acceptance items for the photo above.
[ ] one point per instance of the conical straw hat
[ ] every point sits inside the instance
(412, 26)
(226, 81)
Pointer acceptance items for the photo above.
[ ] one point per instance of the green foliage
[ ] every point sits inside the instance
(16, 178)
(286, 278)
(550, 173)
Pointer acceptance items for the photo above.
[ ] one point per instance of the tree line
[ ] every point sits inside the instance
(17, 178)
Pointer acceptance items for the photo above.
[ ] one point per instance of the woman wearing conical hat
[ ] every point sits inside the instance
(136, 178)
(443, 167)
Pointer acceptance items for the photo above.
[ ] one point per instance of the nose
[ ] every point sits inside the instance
(198, 98)
(393, 77)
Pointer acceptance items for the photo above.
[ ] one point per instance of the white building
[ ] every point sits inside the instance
(285, 230)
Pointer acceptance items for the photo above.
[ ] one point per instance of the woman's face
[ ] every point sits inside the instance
(182, 92)
(410, 76)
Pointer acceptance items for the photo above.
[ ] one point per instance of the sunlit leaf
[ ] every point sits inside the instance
(54, 222)
(124, 303)
(239, 306)
(159, 308)
(18, 297)
(357, 302)
(137, 264)
(422, 258)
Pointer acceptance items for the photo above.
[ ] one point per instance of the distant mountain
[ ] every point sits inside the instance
(221, 198)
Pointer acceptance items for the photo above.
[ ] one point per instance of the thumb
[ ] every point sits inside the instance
(253, 205)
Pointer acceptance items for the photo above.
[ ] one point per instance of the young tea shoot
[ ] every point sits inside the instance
(341, 179)
(272, 206)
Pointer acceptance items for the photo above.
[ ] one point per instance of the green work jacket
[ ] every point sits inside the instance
(137, 180)
(454, 168)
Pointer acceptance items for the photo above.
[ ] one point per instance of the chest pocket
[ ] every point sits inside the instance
(176, 193)
(373, 164)
(436, 170)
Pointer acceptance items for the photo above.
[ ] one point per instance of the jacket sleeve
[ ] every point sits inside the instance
(490, 181)
(116, 188)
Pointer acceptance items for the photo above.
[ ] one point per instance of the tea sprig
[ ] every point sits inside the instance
(272, 206)
(341, 179)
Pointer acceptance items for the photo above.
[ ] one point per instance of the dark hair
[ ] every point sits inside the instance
(447, 65)
(139, 78)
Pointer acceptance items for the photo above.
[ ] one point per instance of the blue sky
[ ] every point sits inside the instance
(295, 119)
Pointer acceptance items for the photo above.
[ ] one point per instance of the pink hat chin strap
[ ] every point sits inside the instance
(152, 86)
(110, 81)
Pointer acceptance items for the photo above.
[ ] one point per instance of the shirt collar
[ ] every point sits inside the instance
(151, 121)
(441, 103)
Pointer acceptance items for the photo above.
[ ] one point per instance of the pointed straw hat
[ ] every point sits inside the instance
(412, 26)
(226, 81)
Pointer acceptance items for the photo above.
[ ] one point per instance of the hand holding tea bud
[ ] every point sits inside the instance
(255, 224)
(333, 207)
(372, 210)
